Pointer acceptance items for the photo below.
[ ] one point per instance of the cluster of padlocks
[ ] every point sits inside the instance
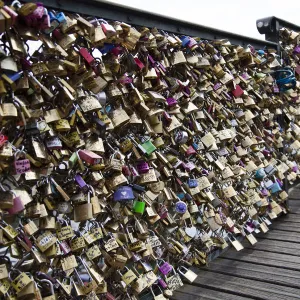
(129, 155)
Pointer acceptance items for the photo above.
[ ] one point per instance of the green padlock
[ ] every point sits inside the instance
(73, 160)
(139, 206)
(149, 147)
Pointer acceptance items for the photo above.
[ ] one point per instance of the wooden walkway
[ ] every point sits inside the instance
(268, 270)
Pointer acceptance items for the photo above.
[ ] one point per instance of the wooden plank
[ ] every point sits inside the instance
(289, 218)
(253, 271)
(245, 287)
(264, 261)
(290, 227)
(263, 255)
(190, 292)
(281, 236)
(276, 247)
(274, 243)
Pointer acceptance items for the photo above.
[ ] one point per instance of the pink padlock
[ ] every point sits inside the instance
(142, 167)
(64, 247)
(237, 92)
(108, 29)
(12, 13)
(126, 170)
(21, 165)
(190, 151)
(89, 157)
(134, 171)
(46, 23)
(38, 12)
(34, 19)
(87, 56)
(17, 207)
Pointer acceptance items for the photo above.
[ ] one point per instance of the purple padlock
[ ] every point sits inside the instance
(264, 192)
(171, 101)
(123, 193)
(192, 43)
(82, 184)
(189, 166)
(217, 86)
(165, 268)
(143, 167)
(151, 59)
(162, 283)
(297, 50)
(275, 89)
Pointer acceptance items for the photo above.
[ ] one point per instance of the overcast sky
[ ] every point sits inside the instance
(238, 16)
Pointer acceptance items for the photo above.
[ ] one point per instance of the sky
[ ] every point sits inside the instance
(237, 16)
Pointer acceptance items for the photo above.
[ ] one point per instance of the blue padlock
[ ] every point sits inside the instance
(275, 188)
(61, 18)
(260, 173)
(180, 207)
(54, 23)
(106, 48)
(285, 79)
(123, 193)
(185, 40)
(192, 183)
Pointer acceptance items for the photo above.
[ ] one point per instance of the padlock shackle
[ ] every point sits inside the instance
(47, 281)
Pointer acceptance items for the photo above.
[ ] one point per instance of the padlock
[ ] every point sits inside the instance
(84, 212)
(52, 295)
(128, 277)
(8, 199)
(164, 267)
(123, 193)
(139, 206)
(157, 295)
(142, 167)
(174, 282)
(20, 281)
(188, 274)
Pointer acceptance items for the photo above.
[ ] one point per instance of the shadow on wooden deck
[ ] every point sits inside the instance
(269, 270)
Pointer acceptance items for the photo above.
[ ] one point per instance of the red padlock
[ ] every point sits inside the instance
(89, 157)
(3, 139)
(87, 56)
(237, 92)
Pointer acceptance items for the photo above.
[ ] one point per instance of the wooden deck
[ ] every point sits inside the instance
(268, 270)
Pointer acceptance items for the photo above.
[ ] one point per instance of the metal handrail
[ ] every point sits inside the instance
(137, 17)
